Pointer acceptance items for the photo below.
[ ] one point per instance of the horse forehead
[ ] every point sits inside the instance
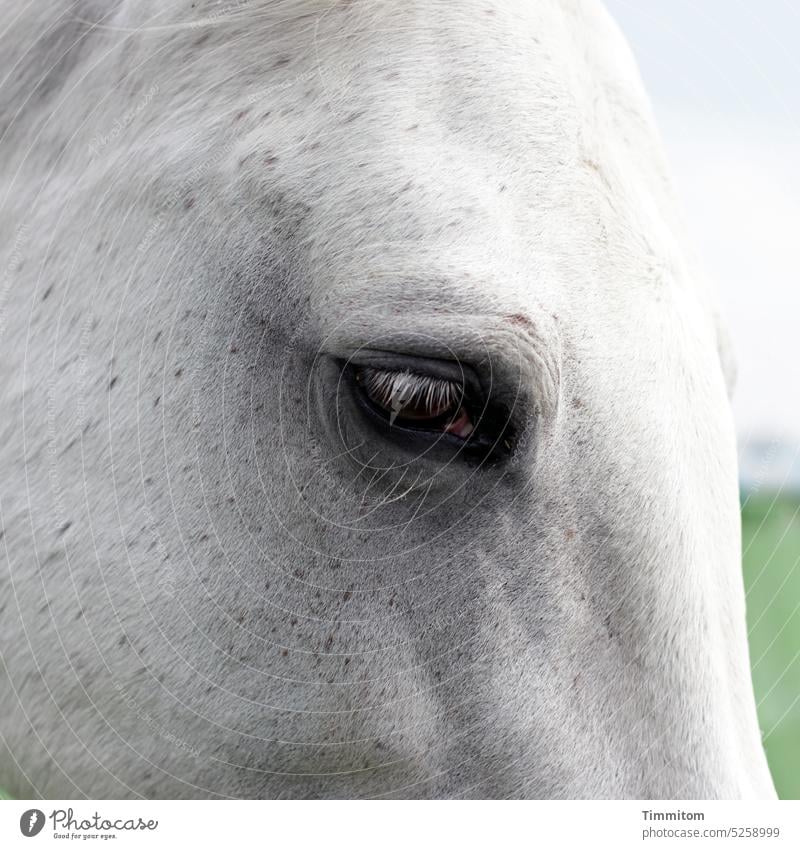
(451, 110)
(412, 117)
(498, 54)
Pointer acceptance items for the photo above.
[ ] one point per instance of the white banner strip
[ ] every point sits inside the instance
(352, 825)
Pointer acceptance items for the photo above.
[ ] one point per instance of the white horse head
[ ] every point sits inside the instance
(364, 429)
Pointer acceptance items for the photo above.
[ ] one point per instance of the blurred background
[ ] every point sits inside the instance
(724, 79)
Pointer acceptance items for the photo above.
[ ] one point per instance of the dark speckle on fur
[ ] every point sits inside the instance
(520, 319)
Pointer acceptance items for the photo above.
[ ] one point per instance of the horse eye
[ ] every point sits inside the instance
(416, 401)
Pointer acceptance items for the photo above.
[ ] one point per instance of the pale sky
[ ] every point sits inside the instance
(724, 78)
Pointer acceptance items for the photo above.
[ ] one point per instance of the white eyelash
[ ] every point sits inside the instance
(397, 389)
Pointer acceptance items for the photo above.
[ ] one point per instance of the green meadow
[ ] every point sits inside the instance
(771, 555)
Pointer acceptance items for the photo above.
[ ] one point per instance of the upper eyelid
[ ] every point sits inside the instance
(455, 371)
(511, 354)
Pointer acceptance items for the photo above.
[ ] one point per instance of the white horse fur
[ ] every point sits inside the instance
(215, 580)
